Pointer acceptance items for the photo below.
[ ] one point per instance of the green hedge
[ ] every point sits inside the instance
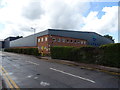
(60, 52)
(107, 55)
(29, 51)
(110, 55)
(82, 54)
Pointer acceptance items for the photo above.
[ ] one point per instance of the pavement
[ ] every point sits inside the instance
(25, 71)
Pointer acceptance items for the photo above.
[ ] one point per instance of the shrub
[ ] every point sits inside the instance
(29, 51)
(82, 54)
(110, 55)
(59, 52)
(107, 55)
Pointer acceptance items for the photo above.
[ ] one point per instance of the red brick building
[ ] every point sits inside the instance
(55, 37)
(46, 41)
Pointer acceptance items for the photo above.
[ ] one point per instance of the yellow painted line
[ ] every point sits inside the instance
(13, 83)
(113, 73)
(9, 81)
(6, 79)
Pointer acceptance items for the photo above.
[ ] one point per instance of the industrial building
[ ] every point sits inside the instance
(1, 44)
(54, 37)
(6, 42)
(46, 41)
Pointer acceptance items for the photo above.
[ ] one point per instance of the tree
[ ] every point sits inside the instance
(109, 37)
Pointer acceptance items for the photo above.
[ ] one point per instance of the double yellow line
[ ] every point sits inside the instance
(8, 79)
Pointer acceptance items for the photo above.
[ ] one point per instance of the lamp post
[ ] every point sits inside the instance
(34, 34)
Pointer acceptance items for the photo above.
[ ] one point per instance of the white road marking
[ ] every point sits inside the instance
(32, 62)
(29, 76)
(35, 77)
(44, 83)
(73, 75)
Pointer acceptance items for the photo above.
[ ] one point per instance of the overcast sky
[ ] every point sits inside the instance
(18, 16)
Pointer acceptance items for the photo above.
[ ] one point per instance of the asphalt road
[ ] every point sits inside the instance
(26, 71)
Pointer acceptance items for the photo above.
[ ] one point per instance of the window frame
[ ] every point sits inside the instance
(39, 39)
(54, 39)
(67, 40)
(46, 38)
(59, 40)
(63, 40)
(42, 39)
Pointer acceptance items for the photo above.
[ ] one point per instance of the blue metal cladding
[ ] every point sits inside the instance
(0, 44)
(28, 41)
(92, 38)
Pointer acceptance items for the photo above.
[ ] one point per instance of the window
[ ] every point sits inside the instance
(48, 49)
(75, 41)
(59, 39)
(39, 40)
(46, 38)
(81, 42)
(78, 41)
(68, 41)
(63, 40)
(84, 42)
(71, 41)
(54, 39)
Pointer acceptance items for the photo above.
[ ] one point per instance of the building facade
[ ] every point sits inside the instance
(1, 44)
(7, 41)
(29, 41)
(45, 42)
(54, 37)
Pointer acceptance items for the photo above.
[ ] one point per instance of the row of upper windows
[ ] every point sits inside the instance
(68, 41)
(43, 39)
(61, 40)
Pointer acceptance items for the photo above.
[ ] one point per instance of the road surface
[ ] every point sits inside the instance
(25, 71)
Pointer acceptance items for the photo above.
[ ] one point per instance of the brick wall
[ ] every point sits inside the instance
(45, 42)
(42, 43)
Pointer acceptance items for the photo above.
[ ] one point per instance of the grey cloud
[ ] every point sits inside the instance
(33, 10)
(59, 13)
(25, 28)
(66, 16)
